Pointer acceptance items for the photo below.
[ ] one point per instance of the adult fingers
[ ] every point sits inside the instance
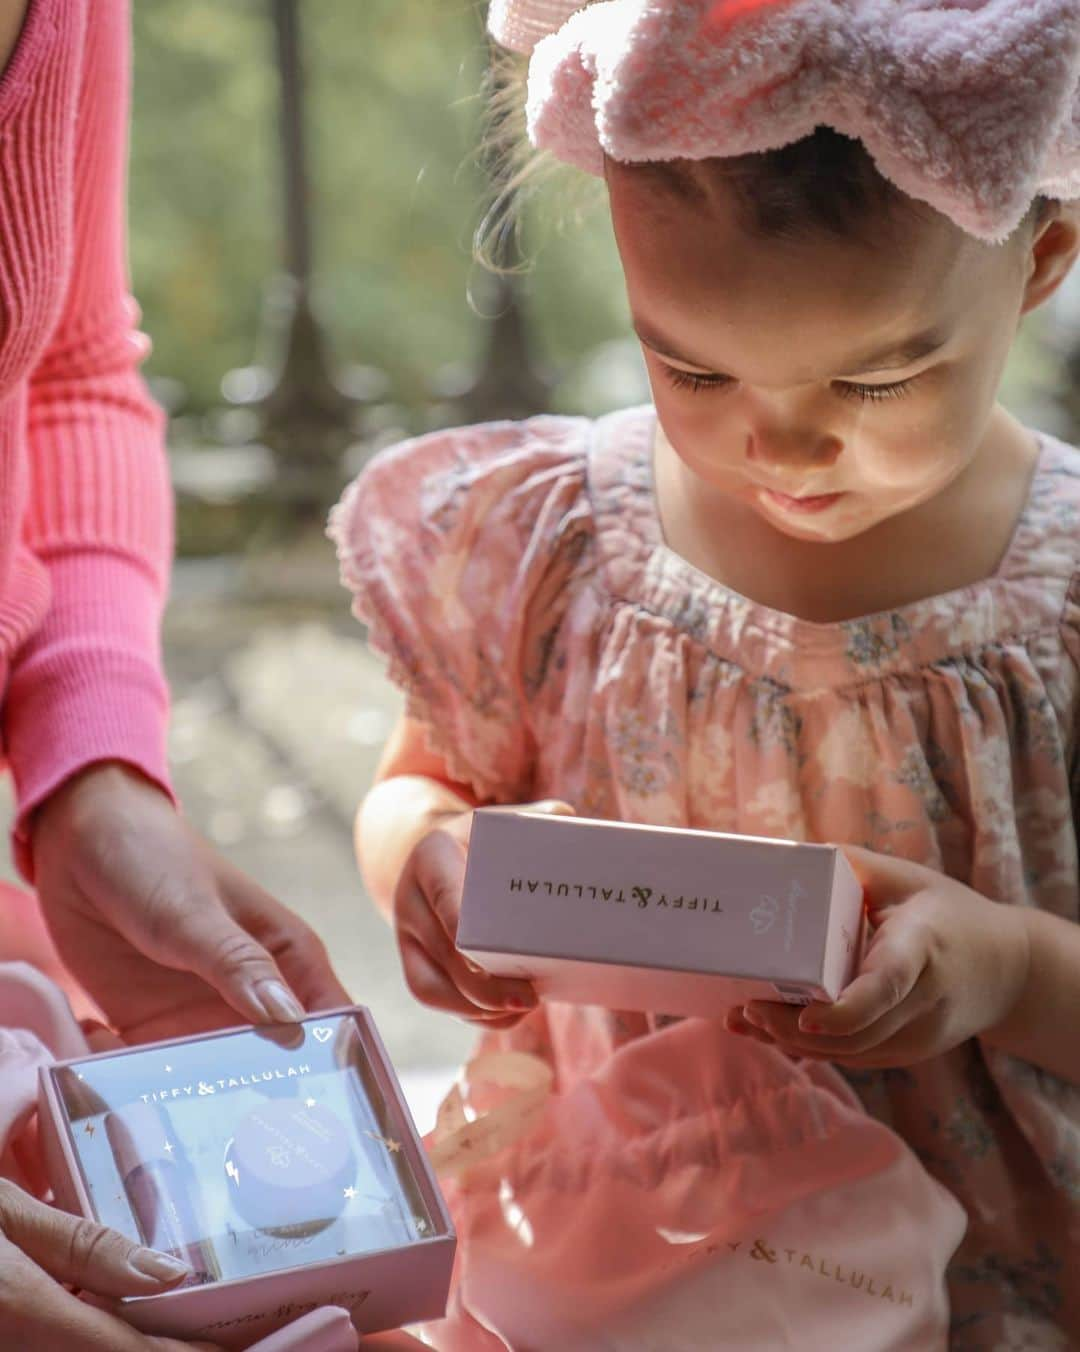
(182, 923)
(82, 1253)
(296, 948)
(37, 1314)
(201, 937)
(329, 1329)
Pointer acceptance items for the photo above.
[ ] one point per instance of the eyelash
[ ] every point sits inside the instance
(869, 394)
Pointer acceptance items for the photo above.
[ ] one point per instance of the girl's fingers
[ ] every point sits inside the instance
(439, 876)
(891, 970)
(496, 1023)
(886, 879)
(487, 993)
(735, 1023)
(871, 1039)
(429, 983)
(434, 986)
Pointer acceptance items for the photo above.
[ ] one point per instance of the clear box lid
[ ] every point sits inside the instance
(248, 1152)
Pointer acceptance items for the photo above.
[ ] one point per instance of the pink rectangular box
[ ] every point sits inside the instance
(281, 1163)
(657, 919)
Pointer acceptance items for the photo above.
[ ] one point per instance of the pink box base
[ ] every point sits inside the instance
(383, 1287)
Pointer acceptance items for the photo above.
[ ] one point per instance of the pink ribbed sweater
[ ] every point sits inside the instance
(85, 503)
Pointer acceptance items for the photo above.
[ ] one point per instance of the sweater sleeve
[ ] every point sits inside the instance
(88, 685)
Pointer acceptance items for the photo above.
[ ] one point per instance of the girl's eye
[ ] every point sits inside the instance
(874, 394)
(690, 380)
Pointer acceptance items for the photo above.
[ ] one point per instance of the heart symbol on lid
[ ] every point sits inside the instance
(323, 1034)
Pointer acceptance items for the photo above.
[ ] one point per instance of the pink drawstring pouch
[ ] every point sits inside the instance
(700, 1192)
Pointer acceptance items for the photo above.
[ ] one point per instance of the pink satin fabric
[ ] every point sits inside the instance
(698, 1192)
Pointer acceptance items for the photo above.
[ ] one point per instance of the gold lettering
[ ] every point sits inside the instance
(888, 1295)
(857, 1283)
(807, 1262)
(905, 1298)
(870, 1288)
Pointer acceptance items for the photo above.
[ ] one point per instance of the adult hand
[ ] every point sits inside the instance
(427, 903)
(42, 1250)
(166, 935)
(944, 965)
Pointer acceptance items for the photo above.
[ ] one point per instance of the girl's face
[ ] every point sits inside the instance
(826, 383)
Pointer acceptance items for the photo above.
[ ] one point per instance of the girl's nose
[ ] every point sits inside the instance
(794, 448)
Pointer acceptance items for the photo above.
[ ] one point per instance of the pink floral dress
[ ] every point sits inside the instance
(517, 579)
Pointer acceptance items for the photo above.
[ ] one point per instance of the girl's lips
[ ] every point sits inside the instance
(820, 503)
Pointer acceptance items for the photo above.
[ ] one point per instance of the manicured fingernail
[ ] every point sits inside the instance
(521, 1003)
(279, 1002)
(162, 1267)
(809, 1026)
(753, 1018)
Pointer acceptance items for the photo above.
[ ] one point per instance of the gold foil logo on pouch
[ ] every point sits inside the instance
(765, 1252)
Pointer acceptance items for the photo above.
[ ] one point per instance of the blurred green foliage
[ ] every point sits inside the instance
(393, 123)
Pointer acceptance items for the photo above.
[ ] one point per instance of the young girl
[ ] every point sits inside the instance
(824, 588)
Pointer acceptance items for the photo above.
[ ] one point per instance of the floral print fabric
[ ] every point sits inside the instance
(517, 579)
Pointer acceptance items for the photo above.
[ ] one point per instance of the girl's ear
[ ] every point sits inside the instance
(1055, 243)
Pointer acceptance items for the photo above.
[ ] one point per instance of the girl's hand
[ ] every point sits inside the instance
(944, 965)
(166, 935)
(427, 902)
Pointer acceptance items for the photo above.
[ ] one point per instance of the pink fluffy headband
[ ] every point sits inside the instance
(971, 105)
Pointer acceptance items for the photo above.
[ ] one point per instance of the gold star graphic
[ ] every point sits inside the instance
(169, 1148)
(392, 1146)
(89, 1128)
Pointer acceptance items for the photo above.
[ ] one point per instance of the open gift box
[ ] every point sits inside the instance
(280, 1163)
